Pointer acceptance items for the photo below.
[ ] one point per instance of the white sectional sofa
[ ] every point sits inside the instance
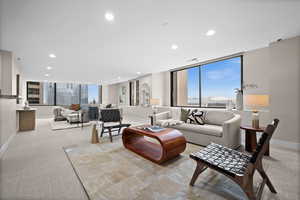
(221, 126)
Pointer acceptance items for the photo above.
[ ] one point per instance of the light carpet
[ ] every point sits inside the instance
(61, 125)
(108, 171)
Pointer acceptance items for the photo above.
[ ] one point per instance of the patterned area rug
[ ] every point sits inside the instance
(108, 171)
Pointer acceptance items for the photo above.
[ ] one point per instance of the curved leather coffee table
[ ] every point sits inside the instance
(171, 143)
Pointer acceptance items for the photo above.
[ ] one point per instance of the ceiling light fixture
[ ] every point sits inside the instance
(210, 32)
(47, 75)
(119, 77)
(138, 73)
(49, 67)
(51, 55)
(109, 16)
(174, 46)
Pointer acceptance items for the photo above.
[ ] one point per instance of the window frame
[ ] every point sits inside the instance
(200, 86)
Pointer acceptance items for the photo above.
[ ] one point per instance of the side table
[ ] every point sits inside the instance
(251, 141)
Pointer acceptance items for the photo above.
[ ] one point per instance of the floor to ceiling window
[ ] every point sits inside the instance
(208, 85)
(50, 93)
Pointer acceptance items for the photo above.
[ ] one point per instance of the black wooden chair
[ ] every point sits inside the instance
(112, 121)
(237, 166)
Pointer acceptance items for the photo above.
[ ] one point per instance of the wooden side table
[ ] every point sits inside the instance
(251, 141)
(26, 119)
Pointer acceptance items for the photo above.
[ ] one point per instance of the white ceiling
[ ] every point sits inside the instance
(90, 49)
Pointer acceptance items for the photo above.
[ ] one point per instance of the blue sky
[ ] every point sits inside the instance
(93, 92)
(217, 79)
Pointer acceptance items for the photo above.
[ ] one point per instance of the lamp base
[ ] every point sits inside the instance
(255, 120)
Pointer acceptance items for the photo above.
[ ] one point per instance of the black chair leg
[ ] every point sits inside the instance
(110, 135)
(119, 131)
(102, 131)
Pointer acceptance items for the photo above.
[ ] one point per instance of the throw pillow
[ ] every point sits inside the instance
(184, 114)
(199, 117)
(75, 107)
(196, 117)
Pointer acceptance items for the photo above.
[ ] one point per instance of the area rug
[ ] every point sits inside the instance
(61, 125)
(108, 171)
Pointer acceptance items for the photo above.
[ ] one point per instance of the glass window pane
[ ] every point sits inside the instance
(48, 93)
(84, 98)
(218, 81)
(67, 93)
(93, 94)
(186, 87)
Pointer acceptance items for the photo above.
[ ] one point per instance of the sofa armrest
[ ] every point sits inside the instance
(161, 116)
(231, 132)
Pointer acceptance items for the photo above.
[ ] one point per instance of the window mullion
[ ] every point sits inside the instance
(200, 89)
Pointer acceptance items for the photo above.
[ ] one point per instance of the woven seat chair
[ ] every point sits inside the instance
(112, 121)
(237, 166)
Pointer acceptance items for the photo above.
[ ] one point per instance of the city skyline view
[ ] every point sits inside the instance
(218, 81)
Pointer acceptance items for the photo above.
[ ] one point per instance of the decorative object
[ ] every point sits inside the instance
(95, 138)
(145, 95)
(154, 103)
(251, 141)
(255, 101)
(237, 166)
(171, 143)
(239, 99)
(26, 105)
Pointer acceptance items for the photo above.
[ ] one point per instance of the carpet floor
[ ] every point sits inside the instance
(108, 171)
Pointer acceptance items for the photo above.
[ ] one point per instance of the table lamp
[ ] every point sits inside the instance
(256, 101)
(154, 103)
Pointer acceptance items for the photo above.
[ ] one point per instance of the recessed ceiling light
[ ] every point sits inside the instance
(119, 77)
(138, 73)
(49, 67)
(109, 16)
(47, 75)
(52, 55)
(174, 46)
(210, 32)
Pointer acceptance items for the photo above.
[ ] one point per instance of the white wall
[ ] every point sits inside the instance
(8, 122)
(6, 71)
(8, 115)
(285, 87)
(161, 87)
(276, 71)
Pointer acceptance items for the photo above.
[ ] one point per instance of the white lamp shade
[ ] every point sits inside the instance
(154, 101)
(257, 100)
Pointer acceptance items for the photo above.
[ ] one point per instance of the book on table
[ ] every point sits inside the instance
(154, 129)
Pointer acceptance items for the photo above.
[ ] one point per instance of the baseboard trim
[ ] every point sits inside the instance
(4, 147)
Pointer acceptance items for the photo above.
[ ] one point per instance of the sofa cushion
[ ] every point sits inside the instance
(176, 113)
(206, 129)
(217, 117)
(168, 122)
